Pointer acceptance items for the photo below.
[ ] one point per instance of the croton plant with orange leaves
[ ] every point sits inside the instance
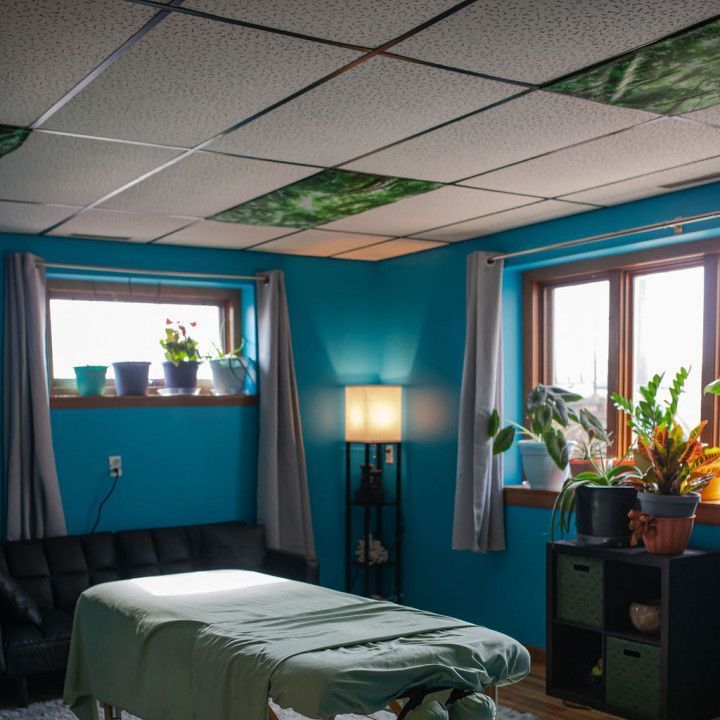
(676, 465)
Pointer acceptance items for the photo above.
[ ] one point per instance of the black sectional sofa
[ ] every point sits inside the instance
(54, 571)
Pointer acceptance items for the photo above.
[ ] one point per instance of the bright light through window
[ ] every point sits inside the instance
(668, 333)
(580, 342)
(100, 332)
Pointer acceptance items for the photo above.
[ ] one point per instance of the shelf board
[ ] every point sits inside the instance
(578, 626)
(76, 402)
(635, 636)
(358, 563)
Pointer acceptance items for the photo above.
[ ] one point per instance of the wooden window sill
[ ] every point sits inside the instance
(708, 513)
(76, 402)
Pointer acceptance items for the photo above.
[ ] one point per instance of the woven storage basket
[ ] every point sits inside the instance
(632, 677)
(580, 590)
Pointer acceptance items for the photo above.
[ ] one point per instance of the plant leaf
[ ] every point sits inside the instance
(503, 440)
(494, 423)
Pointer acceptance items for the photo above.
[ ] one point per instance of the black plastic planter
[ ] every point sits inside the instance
(182, 376)
(601, 515)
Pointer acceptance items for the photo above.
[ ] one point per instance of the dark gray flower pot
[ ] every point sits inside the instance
(183, 375)
(601, 515)
(131, 378)
(670, 506)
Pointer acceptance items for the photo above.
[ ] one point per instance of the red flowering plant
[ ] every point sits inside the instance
(178, 345)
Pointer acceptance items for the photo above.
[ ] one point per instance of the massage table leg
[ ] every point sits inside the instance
(110, 712)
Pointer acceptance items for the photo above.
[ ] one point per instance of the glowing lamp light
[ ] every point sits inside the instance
(373, 413)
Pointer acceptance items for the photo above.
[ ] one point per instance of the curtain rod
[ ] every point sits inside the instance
(167, 273)
(677, 224)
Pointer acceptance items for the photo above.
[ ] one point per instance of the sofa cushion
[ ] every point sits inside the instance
(101, 557)
(30, 650)
(174, 550)
(69, 572)
(138, 556)
(15, 603)
(231, 545)
(27, 563)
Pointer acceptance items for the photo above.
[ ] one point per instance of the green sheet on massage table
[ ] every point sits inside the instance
(215, 645)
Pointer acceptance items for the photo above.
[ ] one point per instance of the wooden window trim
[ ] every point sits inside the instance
(63, 390)
(620, 270)
(708, 513)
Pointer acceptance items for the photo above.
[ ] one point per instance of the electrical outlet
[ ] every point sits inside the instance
(389, 454)
(115, 464)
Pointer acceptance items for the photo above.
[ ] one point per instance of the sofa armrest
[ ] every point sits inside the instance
(293, 566)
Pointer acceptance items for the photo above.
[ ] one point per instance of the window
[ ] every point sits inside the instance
(98, 323)
(608, 325)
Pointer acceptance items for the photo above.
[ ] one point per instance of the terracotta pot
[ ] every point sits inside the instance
(670, 537)
(712, 492)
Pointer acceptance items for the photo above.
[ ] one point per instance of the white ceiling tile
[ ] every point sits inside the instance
(361, 22)
(710, 116)
(538, 40)
(30, 218)
(120, 225)
(188, 79)
(429, 210)
(518, 129)
(210, 233)
(517, 217)
(205, 183)
(73, 171)
(648, 148)
(390, 249)
(697, 173)
(319, 243)
(48, 46)
(376, 103)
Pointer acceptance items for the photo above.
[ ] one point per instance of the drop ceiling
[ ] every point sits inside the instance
(359, 131)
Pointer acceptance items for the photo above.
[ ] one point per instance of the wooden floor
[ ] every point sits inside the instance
(529, 696)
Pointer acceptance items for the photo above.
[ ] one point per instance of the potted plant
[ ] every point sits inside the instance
(600, 497)
(545, 450)
(228, 371)
(711, 492)
(649, 413)
(90, 379)
(678, 468)
(131, 377)
(182, 358)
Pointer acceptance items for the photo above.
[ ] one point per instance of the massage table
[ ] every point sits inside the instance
(218, 645)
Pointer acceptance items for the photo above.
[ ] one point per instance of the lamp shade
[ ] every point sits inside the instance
(373, 413)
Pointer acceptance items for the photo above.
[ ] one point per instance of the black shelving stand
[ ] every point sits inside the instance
(668, 676)
(373, 523)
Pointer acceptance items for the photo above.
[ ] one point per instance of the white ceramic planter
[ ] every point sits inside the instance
(228, 375)
(540, 470)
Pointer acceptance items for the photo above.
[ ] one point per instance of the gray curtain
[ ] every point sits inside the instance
(33, 503)
(479, 522)
(283, 499)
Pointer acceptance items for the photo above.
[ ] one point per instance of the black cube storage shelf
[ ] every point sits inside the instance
(672, 676)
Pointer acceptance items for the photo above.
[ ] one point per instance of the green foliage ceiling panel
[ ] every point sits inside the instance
(670, 77)
(322, 198)
(11, 138)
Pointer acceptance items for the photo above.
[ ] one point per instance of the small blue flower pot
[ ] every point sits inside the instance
(90, 379)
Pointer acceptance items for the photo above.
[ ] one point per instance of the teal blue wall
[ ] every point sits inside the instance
(424, 316)
(400, 321)
(192, 465)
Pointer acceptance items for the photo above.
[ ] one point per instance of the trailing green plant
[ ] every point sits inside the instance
(649, 413)
(220, 354)
(603, 474)
(677, 465)
(178, 345)
(549, 416)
